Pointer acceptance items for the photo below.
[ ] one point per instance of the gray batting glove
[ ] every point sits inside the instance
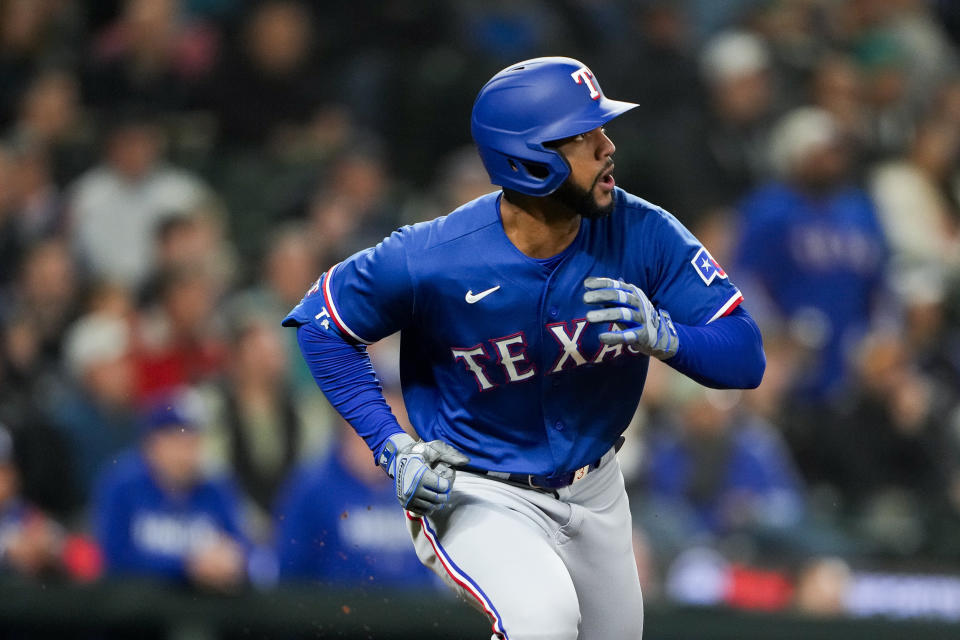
(635, 320)
(422, 472)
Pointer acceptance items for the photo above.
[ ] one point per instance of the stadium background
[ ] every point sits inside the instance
(174, 174)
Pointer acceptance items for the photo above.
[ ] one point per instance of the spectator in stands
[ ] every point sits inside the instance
(717, 142)
(461, 178)
(28, 385)
(150, 56)
(46, 291)
(289, 267)
(259, 429)
(193, 240)
(179, 344)
(116, 206)
(34, 208)
(837, 87)
(892, 113)
(97, 416)
(269, 87)
(886, 445)
(811, 252)
(930, 57)
(31, 34)
(916, 209)
(713, 469)
(30, 542)
(357, 205)
(736, 68)
(157, 516)
(51, 122)
(337, 524)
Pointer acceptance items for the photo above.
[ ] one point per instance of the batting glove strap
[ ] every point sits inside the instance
(422, 472)
(388, 455)
(635, 321)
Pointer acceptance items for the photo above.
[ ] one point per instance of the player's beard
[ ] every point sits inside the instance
(582, 200)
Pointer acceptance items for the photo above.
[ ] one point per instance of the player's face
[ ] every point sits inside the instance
(589, 188)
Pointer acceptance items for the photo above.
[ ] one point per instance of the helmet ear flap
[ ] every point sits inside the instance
(537, 177)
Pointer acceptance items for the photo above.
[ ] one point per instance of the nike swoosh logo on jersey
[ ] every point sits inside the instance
(471, 297)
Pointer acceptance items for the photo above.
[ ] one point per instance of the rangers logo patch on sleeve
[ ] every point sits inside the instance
(707, 268)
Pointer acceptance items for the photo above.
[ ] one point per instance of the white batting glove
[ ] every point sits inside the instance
(637, 321)
(422, 472)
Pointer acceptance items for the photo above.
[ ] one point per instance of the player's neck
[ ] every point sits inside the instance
(539, 227)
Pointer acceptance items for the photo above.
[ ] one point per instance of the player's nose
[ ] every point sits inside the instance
(606, 147)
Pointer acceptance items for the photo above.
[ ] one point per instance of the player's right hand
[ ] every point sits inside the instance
(635, 320)
(422, 472)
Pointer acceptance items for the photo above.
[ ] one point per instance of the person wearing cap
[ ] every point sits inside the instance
(97, 415)
(812, 248)
(528, 318)
(156, 515)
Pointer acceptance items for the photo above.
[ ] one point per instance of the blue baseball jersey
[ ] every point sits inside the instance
(827, 254)
(146, 530)
(497, 357)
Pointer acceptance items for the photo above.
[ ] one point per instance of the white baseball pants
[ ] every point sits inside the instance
(541, 567)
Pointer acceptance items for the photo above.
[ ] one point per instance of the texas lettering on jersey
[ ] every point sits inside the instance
(509, 355)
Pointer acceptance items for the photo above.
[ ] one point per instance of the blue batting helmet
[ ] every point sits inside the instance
(530, 103)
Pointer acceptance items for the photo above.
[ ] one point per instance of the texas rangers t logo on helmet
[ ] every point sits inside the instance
(583, 76)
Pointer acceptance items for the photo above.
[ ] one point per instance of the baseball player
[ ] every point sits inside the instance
(528, 317)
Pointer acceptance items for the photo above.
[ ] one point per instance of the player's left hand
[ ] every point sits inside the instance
(636, 321)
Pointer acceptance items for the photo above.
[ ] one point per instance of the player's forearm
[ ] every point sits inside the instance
(725, 354)
(345, 375)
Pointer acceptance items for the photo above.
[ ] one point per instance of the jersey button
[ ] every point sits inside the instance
(558, 425)
(554, 311)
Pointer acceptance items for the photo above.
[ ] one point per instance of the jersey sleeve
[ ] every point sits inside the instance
(365, 298)
(684, 279)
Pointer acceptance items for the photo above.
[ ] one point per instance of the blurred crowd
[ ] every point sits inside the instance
(175, 174)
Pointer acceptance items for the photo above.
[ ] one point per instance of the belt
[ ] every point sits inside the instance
(552, 481)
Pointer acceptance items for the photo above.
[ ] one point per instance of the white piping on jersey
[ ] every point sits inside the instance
(727, 306)
(328, 298)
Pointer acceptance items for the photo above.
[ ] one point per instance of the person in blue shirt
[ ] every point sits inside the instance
(156, 516)
(337, 523)
(527, 320)
(812, 248)
(713, 468)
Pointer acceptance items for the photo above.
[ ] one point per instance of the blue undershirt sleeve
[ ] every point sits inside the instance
(345, 375)
(725, 354)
